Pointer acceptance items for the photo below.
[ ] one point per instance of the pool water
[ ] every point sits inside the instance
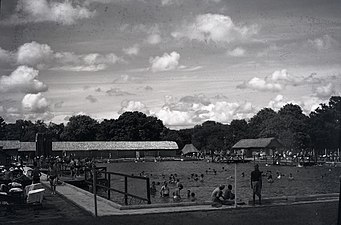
(307, 180)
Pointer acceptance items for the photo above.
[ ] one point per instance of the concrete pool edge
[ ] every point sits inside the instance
(85, 200)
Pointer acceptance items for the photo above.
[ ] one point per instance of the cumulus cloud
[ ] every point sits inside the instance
(85, 62)
(322, 43)
(42, 56)
(277, 81)
(237, 52)
(23, 79)
(324, 91)
(214, 27)
(91, 98)
(134, 50)
(307, 103)
(130, 105)
(35, 103)
(64, 12)
(165, 63)
(33, 54)
(192, 110)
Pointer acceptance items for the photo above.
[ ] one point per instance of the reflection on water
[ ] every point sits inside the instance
(306, 181)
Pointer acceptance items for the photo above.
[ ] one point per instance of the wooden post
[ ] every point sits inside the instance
(109, 185)
(235, 185)
(125, 190)
(148, 191)
(339, 214)
(94, 184)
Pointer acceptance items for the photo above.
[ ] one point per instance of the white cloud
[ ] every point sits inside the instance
(23, 79)
(324, 91)
(214, 27)
(166, 62)
(192, 110)
(322, 43)
(42, 56)
(35, 103)
(154, 39)
(307, 103)
(134, 50)
(33, 54)
(130, 105)
(278, 80)
(85, 62)
(65, 12)
(237, 52)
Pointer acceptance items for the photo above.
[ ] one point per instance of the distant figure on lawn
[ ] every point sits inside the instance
(256, 184)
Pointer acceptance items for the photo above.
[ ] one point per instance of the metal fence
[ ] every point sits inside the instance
(107, 183)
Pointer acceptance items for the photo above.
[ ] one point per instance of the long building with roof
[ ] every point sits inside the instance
(103, 149)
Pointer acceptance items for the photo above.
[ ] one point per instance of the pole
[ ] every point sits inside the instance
(148, 191)
(235, 185)
(109, 185)
(339, 214)
(94, 187)
(125, 190)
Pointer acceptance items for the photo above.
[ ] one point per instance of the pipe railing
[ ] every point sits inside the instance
(108, 180)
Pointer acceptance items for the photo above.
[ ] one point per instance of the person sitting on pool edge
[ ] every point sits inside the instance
(193, 198)
(164, 192)
(228, 195)
(217, 196)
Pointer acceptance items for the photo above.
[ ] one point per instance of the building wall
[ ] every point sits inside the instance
(115, 154)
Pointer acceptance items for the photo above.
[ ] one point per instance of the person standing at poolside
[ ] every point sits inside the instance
(54, 174)
(256, 184)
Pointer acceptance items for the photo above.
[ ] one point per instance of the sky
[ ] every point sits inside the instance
(183, 61)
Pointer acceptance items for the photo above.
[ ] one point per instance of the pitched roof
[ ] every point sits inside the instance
(114, 145)
(189, 148)
(257, 143)
(27, 147)
(10, 145)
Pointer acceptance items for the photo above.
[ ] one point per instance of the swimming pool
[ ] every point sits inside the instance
(307, 180)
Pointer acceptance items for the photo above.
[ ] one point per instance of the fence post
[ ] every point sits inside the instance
(109, 185)
(125, 190)
(94, 184)
(339, 214)
(235, 185)
(148, 191)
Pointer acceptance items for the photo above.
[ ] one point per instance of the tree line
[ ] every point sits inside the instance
(319, 130)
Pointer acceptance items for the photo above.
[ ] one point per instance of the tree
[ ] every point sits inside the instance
(2, 129)
(80, 128)
(259, 122)
(324, 125)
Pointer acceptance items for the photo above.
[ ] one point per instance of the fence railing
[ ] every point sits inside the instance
(91, 178)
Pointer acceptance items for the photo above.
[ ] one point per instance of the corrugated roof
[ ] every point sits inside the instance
(27, 147)
(10, 145)
(258, 143)
(189, 148)
(114, 145)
